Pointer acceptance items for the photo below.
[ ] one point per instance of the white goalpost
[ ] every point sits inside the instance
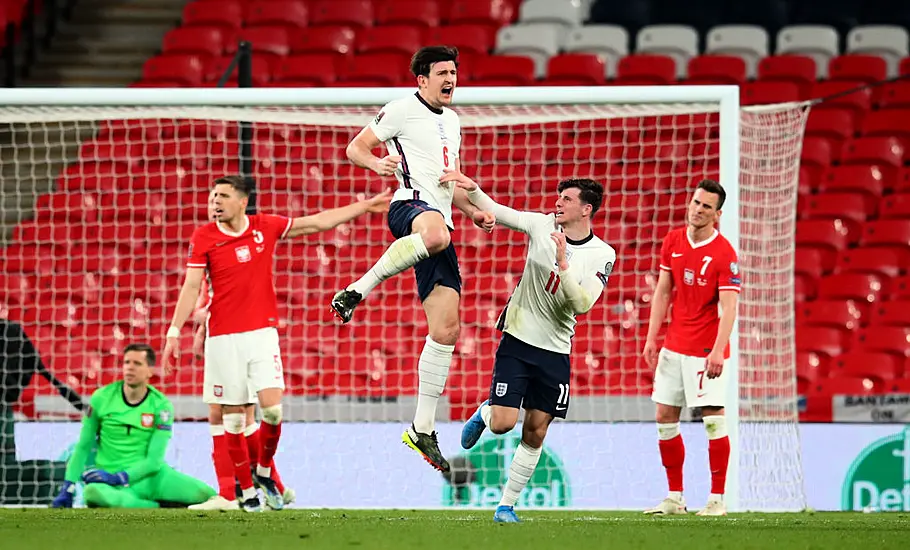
(102, 188)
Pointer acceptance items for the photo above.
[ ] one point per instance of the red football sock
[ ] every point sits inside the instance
(673, 454)
(252, 446)
(241, 459)
(224, 467)
(269, 436)
(718, 459)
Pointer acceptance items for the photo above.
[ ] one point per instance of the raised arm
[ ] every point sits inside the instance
(307, 225)
(509, 217)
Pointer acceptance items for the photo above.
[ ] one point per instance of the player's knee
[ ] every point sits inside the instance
(272, 415)
(534, 436)
(436, 239)
(233, 423)
(92, 495)
(502, 423)
(667, 415)
(215, 415)
(447, 332)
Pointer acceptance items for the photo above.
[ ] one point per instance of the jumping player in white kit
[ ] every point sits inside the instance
(423, 137)
(701, 266)
(564, 275)
(236, 253)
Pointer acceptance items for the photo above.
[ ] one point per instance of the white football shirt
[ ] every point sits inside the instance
(428, 140)
(538, 312)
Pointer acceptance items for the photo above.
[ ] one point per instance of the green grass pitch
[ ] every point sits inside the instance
(441, 530)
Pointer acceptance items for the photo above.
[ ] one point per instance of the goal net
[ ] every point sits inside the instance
(101, 195)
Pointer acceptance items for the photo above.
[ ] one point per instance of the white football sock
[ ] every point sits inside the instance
(400, 255)
(523, 464)
(486, 412)
(432, 371)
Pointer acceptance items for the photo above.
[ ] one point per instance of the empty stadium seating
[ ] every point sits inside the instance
(853, 231)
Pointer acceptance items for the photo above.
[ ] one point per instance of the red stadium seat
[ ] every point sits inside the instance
(895, 313)
(764, 92)
(328, 40)
(885, 263)
(895, 207)
(491, 14)
(503, 70)
(418, 13)
(576, 69)
(401, 40)
(262, 72)
(226, 13)
(356, 14)
(816, 156)
(880, 367)
(900, 288)
(808, 261)
(269, 40)
(886, 339)
(864, 180)
(861, 287)
(884, 152)
(849, 208)
(288, 13)
(904, 68)
(889, 122)
(646, 70)
(380, 69)
(717, 69)
(795, 69)
(852, 385)
(888, 233)
(825, 341)
(315, 69)
(835, 125)
(189, 70)
(810, 367)
(843, 314)
(195, 40)
(859, 100)
(895, 95)
(858, 67)
(56, 207)
(469, 39)
(830, 237)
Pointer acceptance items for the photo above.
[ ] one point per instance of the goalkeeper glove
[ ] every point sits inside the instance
(100, 476)
(64, 498)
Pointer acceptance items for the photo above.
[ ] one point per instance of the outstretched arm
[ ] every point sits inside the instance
(509, 217)
(307, 225)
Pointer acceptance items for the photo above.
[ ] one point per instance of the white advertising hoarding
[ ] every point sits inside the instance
(846, 466)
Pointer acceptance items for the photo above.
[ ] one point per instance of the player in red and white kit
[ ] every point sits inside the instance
(236, 252)
(701, 265)
(221, 459)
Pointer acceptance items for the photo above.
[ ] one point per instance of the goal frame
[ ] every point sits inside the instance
(725, 96)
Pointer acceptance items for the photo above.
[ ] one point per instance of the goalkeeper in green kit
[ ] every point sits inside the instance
(131, 424)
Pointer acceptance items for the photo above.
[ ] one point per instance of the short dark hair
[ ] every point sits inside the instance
(590, 192)
(239, 184)
(425, 57)
(149, 352)
(712, 186)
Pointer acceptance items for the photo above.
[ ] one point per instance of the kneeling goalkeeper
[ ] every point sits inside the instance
(131, 424)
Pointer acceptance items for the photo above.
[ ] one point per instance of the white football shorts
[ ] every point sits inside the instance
(682, 381)
(238, 366)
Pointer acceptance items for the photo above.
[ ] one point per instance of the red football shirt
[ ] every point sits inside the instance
(699, 272)
(239, 270)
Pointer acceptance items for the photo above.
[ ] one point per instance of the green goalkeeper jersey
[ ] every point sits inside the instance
(130, 438)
